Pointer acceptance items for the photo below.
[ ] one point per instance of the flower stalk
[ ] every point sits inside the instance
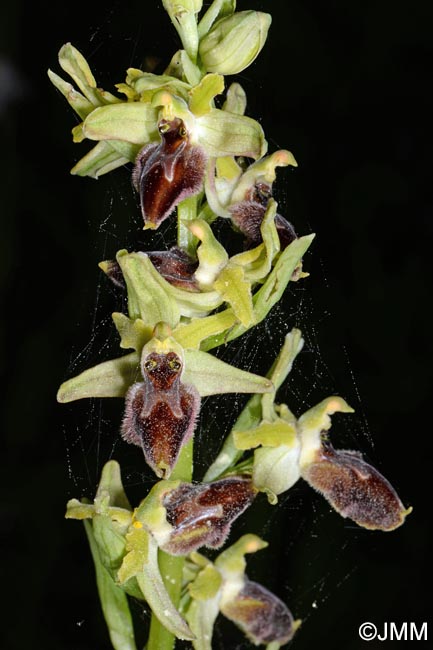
(196, 154)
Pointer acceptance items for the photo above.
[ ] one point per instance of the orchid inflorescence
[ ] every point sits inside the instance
(196, 153)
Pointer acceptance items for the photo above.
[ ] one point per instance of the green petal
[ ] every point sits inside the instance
(114, 601)
(108, 379)
(203, 95)
(314, 422)
(212, 377)
(227, 134)
(133, 333)
(133, 122)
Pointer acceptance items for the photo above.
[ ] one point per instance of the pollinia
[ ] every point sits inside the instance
(196, 158)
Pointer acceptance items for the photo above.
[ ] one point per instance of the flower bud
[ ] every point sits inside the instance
(355, 489)
(201, 515)
(261, 616)
(234, 42)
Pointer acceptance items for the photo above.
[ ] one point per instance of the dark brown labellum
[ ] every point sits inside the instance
(160, 412)
(248, 215)
(260, 615)
(176, 266)
(202, 514)
(355, 489)
(168, 172)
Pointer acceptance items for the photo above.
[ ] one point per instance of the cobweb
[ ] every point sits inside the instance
(297, 566)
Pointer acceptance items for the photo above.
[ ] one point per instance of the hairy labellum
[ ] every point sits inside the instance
(260, 615)
(248, 215)
(160, 412)
(201, 515)
(168, 172)
(355, 489)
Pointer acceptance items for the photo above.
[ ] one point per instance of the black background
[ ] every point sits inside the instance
(347, 87)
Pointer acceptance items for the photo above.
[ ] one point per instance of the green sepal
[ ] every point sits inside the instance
(148, 294)
(153, 299)
(211, 376)
(76, 66)
(267, 434)
(236, 99)
(202, 96)
(107, 379)
(152, 514)
(235, 289)
(183, 68)
(276, 469)
(114, 601)
(141, 86)
(206, 585)
(201, 616)
(134, 122)
(100, 160)
(228, 134)
(81, 105)
(141, 562)
(203, 608)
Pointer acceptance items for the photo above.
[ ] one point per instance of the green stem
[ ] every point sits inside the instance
(171, 566)
(186, 211)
